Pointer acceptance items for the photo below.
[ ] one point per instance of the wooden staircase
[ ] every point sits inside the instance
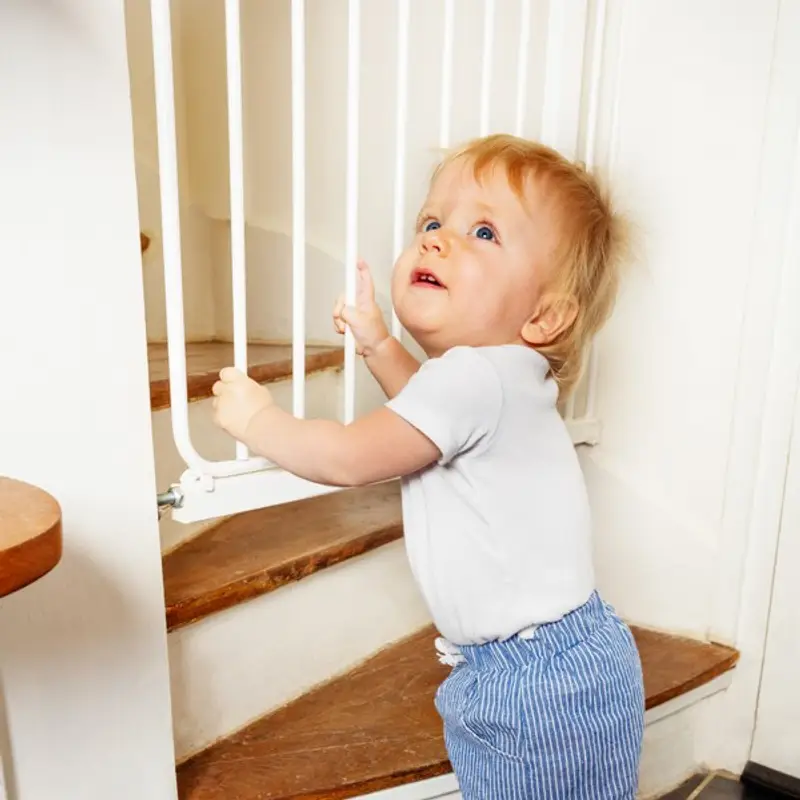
(374, 726)
(268, 363)
(254, 553)
(377, 727)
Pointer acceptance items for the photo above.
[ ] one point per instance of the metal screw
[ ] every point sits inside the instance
(172, 498)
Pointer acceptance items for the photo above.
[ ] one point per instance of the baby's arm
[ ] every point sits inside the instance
(378, 446)
(386, 358)
(391, 365)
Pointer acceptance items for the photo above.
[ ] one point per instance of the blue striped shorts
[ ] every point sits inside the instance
(558, 716)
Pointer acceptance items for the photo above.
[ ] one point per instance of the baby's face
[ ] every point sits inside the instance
(475, 271)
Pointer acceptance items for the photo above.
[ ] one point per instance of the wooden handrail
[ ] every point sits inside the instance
(30, 534)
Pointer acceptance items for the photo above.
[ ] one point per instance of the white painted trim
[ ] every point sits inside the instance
(778, 706)
(760, 438)
(748, 462)
(431, 789)
(678, 704)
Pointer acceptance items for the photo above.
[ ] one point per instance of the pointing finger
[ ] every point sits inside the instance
(365, 293)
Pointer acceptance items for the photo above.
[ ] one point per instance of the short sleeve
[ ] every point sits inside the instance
(455, 400)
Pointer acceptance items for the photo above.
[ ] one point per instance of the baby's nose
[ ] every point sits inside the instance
(436, 242)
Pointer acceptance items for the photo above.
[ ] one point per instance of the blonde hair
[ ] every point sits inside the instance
(594, 238)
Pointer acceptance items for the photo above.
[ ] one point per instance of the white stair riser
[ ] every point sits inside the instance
(238, 665)
(323, 399)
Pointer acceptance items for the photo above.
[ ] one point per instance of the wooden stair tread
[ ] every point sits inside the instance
(30, 534)
(674, 665)
(204, 360)
(257, 552)
(377, 726)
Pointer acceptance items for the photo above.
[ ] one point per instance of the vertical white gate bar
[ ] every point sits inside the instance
(171, 245)
(563, 79)
(447, 73)
(591, 395)
(170, 224)
(351, 239)
(551, 101)
(488, 58)
(298, 209)
(598, 43)
(233, 52)
(400, 140)
(522, 64)
(590, 157)
(617, 93)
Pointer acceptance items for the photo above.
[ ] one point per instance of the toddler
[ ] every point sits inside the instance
(512, 270)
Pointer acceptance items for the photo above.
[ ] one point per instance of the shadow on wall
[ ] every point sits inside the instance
(269, 286)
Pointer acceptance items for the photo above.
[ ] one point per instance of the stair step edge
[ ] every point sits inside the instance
(414, 675)
(199, 382)
(251, 554)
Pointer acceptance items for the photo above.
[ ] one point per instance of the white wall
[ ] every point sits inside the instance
(759, 490)
(699, 368)
(83, 655)
(693, 93)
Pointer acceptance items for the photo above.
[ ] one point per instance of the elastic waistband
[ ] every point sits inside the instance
(546, 640)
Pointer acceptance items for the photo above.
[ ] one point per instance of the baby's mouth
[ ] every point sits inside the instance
(424, 277)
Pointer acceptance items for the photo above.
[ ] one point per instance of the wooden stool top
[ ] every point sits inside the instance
(30, 534)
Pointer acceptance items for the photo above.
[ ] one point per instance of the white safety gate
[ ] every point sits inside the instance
(570, 101)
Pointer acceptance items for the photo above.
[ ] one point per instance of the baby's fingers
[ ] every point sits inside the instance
(365, 293)
(338, 311)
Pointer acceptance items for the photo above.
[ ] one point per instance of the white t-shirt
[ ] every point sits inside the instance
(498, 532)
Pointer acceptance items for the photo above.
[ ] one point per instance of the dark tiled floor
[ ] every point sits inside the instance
(718, 788)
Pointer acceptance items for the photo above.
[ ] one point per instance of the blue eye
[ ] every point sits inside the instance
(485, 232)
(431, 225)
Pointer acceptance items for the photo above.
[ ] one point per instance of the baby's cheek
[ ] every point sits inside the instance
(396, 284)
(401, 272)
(488, 306)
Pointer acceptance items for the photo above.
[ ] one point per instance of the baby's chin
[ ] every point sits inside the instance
(436, 341)
(419, 317)
(426, 334)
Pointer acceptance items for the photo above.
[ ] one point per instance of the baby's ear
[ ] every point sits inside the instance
(554, 314)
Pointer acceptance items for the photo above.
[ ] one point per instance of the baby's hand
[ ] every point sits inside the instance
(365, 320)
(237, 400)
